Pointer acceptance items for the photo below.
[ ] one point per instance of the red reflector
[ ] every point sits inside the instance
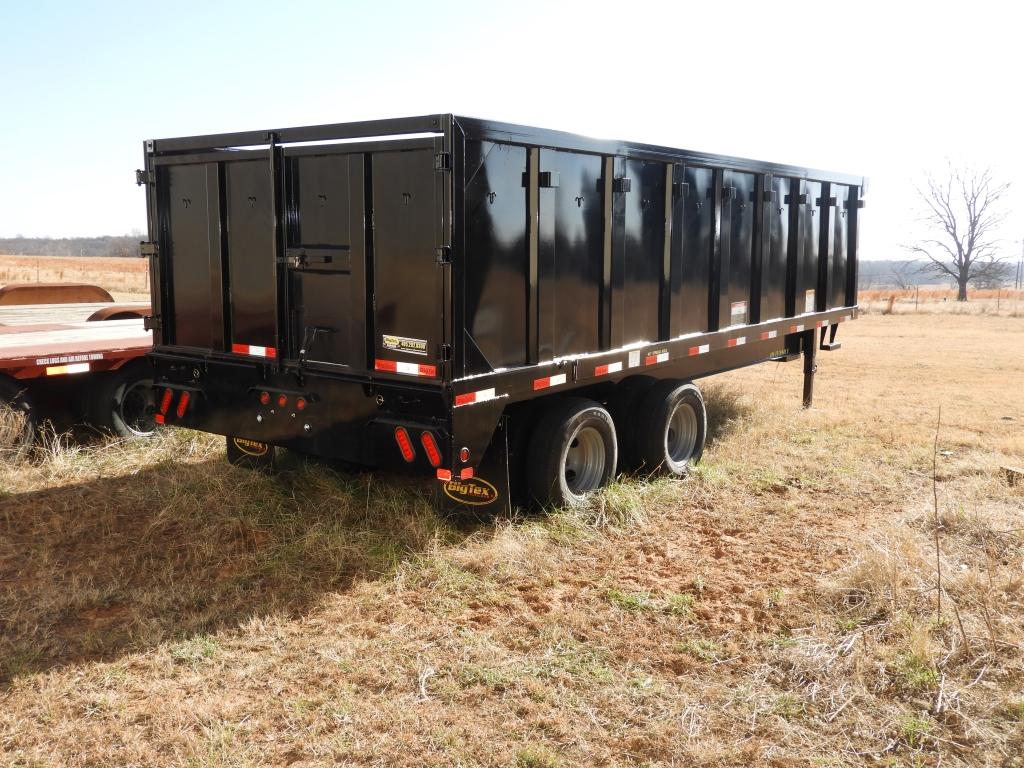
(300, 404)
(165, 401)
(466, 473)
(430, 446)
(464, 455)
(182, 404)
(159, 418)
(404, 444)
(465, 399)
(282, 401)
(386, 365)
(264, 398)
(444, 474)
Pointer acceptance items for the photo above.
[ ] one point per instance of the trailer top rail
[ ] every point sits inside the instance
(476, 128)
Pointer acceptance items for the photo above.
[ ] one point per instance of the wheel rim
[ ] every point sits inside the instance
(584, 460)
(137, 408)
(681, 435)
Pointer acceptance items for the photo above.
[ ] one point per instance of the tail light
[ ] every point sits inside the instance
(264, 398)
(182, 404)
(464, 454)
(282, 401)
(300, 404)
(165, 401)
(404, 444)
(430, 446)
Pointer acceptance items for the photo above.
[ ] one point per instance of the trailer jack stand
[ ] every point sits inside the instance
(810, 366)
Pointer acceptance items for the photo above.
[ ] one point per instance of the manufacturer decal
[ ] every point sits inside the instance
(405, 344)
(250, 447)
(475, 491)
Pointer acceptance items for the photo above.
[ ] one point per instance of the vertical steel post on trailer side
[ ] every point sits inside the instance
(533, 255)
(283, 330)
(810, 346)
(665, 282)
(604, 330)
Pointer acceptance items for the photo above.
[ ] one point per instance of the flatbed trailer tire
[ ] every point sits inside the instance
(573, 451)
(15, 396)
(123, 403)
(671, 428)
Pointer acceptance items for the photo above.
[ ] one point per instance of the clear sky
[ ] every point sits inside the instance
(882, 89)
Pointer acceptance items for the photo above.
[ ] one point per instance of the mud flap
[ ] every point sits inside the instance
(250, 454)
(487, 493)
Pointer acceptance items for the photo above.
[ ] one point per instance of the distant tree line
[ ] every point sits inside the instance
(123, 245)
(906, 273)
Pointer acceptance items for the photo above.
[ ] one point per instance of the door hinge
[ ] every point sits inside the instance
(148, 249)
(151, 323)
(144, 177)
(444, 254)
(443, 161)
(446, 352)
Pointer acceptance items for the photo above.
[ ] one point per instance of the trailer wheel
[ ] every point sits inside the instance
(250, 454)
(17, 419)
(623, 405)
(572, 452)
(672, 427)
(124, 404)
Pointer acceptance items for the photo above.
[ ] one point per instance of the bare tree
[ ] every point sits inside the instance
(963, 210)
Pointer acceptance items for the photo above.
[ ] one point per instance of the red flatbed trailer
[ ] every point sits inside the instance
(69, 357)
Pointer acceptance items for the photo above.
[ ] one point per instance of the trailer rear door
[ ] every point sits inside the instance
(325, 257)
(408, 255)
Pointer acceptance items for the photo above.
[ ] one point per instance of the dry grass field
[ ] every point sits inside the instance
(125, 279)
(780, 607)
(931, 300)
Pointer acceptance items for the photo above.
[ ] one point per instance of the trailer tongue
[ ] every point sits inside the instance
(518, 312)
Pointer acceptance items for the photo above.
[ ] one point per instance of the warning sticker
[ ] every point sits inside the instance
(738, 312)
(405, 344)
(809, 300)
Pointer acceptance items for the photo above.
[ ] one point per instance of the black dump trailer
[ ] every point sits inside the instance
(520, 313)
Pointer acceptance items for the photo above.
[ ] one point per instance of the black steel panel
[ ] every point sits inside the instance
(408, 284)
(570, 254)
(326, 250)
(643, 242)
(773, 268)
(691, 267)
(806, 273)
(192, 257)
(496, 254)
(738, 206)
(840, 218)
(252, 277)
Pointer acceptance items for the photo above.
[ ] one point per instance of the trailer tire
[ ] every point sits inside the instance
(124, 404)
(18, 425)
(250, 454)
(573, 451)
(672, 428)
(623, 405)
